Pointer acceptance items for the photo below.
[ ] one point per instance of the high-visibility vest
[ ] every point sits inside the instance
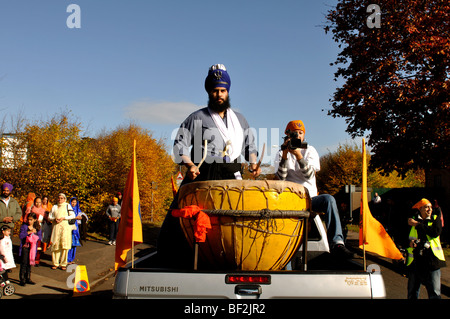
(435, 245)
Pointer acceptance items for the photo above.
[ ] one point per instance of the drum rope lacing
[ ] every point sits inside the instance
(263, 213)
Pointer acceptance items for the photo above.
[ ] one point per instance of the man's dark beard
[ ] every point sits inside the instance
(213, 105)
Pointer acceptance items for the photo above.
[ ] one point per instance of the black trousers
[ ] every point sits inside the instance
(113, 229)
(25, 267)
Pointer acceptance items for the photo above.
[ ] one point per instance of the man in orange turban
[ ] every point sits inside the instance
(298, 162)
(425, 256)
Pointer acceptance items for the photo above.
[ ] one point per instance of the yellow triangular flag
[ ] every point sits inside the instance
(372, 235)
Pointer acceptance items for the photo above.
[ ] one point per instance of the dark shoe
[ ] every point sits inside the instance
(22, 283)
(341, 251)
(28, 279)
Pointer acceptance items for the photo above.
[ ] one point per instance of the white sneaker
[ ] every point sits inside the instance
(114, 243)
(110, 243)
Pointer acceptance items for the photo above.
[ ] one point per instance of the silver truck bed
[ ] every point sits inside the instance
(165, 283)
(322, 278)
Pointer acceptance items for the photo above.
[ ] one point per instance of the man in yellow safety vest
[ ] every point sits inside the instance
(425, 255)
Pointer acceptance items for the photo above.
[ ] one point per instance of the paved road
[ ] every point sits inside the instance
(98, 257)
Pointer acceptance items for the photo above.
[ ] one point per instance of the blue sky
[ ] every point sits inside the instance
(146, 61)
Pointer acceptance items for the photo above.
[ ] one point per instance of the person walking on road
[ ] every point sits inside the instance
(113, 213)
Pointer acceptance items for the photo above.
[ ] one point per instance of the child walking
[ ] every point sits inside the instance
(30, 234)
(6, 252)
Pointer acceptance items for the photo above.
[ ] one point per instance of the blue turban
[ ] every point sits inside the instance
(10, 187)
(217, 77)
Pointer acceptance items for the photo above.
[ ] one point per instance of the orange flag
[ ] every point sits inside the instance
(371, 233)
(130, 227)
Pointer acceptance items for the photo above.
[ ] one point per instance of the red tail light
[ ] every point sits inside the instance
(247, 279)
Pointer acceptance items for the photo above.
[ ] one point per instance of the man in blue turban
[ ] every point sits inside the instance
(10, 211)
(217, 77)
(227, 132)
(229, 140)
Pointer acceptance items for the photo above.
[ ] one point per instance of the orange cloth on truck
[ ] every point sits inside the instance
(202, 221)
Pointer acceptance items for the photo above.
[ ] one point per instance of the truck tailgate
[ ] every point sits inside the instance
(160, 283)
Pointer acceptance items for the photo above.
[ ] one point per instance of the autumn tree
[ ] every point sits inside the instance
(344, 167)
(396, 79)
(154, 167)
(59, 159)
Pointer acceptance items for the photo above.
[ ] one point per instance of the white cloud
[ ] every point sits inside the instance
(160, 112)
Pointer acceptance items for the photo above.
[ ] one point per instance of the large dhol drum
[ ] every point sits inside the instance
(256, 224)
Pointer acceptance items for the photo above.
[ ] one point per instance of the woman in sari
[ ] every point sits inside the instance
(61, 238)
(75, 232)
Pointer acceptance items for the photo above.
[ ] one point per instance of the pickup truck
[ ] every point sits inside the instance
(319, 277)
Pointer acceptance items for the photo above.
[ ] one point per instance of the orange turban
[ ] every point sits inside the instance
(421, 203)
(294, 125)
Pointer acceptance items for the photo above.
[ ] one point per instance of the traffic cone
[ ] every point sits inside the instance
(81, 285)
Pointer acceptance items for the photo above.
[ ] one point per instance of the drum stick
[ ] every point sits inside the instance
(262, 156)
(204, 154)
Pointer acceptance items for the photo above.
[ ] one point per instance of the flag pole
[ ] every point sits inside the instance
(364, 256)
(132, 207)
(132, 253)
(364, 193)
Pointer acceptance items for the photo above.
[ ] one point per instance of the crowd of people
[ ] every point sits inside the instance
(43, 226)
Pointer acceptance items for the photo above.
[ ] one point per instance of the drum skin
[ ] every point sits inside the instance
(238, 242)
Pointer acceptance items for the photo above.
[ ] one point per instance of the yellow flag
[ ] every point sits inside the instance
(371, 233)
(130, 227)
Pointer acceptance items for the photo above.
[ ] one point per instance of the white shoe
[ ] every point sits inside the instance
(114, 243)
(110, 243)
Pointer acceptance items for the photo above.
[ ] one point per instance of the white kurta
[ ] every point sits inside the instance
(62, 232)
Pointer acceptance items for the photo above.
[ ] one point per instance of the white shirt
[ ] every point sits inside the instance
(5, 200)
(294, 172)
